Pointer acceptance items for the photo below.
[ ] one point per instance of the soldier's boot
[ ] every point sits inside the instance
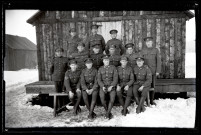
(124, 112)
(137, 100)
(139, 108)
(143, 108)
(152, 93)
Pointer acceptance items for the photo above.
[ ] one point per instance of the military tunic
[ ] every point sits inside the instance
(93, 40)
(80, 57)
(118, 44)
(107, 76)
(72, 80)
(58, 68)
(97, 60)
(89, 79)
(152, 59)
(132, 59)
(72, 45)
(115, 60)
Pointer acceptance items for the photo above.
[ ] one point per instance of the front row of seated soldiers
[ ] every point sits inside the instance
(107, 81)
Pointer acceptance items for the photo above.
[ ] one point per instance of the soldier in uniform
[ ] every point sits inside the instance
(153, 60)
(72, 84)
(72, 42)
(96, 56)
(58, 68)
(95, 39)
(107, 80)
(80, 55)
(125, 84)
(142, 83)
(131, 54)
(114, 58)
(116, 42)
(89, 86)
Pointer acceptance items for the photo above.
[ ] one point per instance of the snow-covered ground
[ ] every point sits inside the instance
(20, 113)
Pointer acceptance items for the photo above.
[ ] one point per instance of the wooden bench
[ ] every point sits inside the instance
(162, 86)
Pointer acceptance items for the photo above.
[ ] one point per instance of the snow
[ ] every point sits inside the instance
(19, 112)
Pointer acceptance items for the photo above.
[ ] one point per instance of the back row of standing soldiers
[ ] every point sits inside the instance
(105, 69)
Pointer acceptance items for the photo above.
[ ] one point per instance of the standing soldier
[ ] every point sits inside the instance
(96, 56)
(124, 87)
(142, 83)
(107, 80)
(116, 42)
(95, 39)
(58, 68)
(114, 58)
(153, 60)
(131, 54)
(72, 42)
(89, 86)
(72, 84)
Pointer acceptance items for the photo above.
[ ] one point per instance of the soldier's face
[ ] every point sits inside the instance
(111, 50)
(73, 67)
(106, 62)
(58, 53)
(123, 63)
(80, 48)
(73, 34)
(149, 43)
(96, 50)
(89, 65)
(94, 31)
(114, 35)
(140, 63)
(130, 50)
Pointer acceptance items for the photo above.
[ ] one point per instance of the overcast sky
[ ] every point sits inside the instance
(16, 25)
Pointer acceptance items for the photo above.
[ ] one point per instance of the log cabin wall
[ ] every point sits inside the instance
(168, 28)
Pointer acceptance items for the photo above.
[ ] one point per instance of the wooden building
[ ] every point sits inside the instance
(20, 53)
(168, 29)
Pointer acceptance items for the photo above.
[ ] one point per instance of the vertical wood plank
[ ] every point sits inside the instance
(144, 31)
(176, 50)
(167, 49)
(123, 33)
(153, 31)
(183, 46)
(136, 35)
(48, 50)
(162, 47)
(38, 51)
(44, 52)
(172, 44)
(179, 47)
(130, 31)
(148, 21)
(140, 39)
(158, 34)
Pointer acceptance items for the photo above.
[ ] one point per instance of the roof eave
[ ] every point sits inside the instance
(33, 17)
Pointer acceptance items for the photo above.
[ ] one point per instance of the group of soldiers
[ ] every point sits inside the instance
(96, 68)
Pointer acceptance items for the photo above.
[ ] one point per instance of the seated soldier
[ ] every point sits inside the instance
(142, 83)
(114, 58)
(124, 86)
(107, 80)
(89, 86)
(96, 57)
(59, 65)
(72, 84)
(80, 55)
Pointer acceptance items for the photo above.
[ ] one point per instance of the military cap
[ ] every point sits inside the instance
(113, 31)
(94, 26)
(73, 61)
(81, 44)
(72, 30)
(112, 46)
(97, 46)
(105, 57)
(123, 57)
(148, 38)
(59, 49)
(139, 57)
(129, 45)
(88, 60)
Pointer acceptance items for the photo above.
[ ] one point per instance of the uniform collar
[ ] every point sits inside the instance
(141, 67)
(107, 66)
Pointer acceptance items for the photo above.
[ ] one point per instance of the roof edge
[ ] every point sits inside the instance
(34, 16)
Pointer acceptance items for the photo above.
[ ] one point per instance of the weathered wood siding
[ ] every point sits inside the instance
(166, 27)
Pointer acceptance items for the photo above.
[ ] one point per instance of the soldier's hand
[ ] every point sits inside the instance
(78, 91)
(104, 89)
(110, 88)
(118, 88)
(157, 74)
(87, 91)
(71, 94)
(126, 87)
(90, 91)
(141, 88)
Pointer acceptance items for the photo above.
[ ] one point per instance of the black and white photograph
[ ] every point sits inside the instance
(100, 68)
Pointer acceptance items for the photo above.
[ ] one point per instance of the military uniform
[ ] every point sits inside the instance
(107, 76)
(114, 60)
(72, 45)
(117, 43)
(88, 82)
(97, 58)
(72, 83)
